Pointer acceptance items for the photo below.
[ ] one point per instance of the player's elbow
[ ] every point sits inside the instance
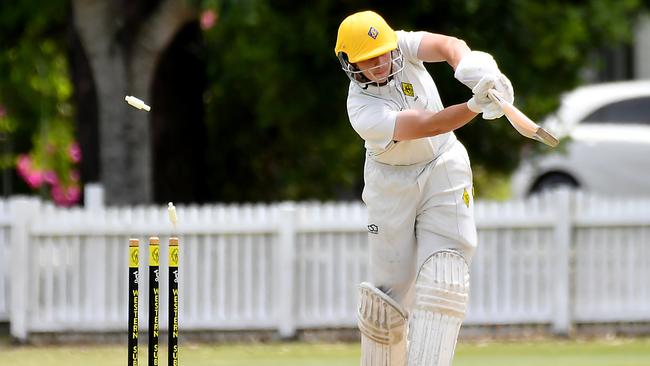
(457, 43)
(455, 50)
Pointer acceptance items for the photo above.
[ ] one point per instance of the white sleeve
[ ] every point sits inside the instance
(375, 123)
(409, 43)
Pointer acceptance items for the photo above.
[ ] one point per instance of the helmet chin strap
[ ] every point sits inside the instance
(383, 83)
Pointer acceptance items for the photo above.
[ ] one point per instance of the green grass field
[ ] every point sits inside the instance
(619, 352)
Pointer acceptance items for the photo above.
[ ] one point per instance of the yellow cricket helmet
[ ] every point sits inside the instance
(364, 35)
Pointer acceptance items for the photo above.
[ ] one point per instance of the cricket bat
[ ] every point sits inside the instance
(521, 122)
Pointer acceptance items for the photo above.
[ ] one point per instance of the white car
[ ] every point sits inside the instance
(608, 150)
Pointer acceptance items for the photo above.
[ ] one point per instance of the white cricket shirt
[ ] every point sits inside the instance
(373, 110)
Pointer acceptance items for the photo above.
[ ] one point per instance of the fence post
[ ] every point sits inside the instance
(285, 270)
(562, 199)
(23, 211)
(93, 196)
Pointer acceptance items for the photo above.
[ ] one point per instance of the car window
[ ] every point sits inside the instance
(635, 111)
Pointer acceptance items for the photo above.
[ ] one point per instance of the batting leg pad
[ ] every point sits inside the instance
(441, 293)
(382, 322)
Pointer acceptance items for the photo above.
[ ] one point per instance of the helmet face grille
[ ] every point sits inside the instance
(356, 75)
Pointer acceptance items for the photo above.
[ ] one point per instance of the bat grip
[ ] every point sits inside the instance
(496, 97)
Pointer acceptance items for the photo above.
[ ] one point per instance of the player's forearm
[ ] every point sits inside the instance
(414, 124)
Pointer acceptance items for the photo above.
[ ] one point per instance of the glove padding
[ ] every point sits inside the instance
(475, 65)
(481, 102)
(504, 87)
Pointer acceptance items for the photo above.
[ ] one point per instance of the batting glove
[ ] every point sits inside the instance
(480, 101)
(475, 65)
(504, 87)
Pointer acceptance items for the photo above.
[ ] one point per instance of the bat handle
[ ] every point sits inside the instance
(496, 97)
(516, 118)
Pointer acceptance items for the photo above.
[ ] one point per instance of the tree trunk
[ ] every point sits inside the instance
(123, 42)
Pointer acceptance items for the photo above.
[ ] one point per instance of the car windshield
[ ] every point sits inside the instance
(630, 111)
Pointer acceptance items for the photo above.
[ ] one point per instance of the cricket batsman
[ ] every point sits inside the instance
(418, 185)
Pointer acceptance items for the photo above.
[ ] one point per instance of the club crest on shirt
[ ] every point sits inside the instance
(373, 32)
(407, 89)
(373, 229)
(466, 197)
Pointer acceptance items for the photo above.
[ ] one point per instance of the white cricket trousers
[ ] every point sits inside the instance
(414, 211)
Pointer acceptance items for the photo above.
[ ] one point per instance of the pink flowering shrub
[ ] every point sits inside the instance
(51, 166)
(208, 19)
(32, 176)
(64, 191)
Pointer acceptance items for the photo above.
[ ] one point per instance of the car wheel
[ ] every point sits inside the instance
(552, 181)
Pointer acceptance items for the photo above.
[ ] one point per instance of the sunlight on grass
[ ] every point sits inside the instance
(619, 352)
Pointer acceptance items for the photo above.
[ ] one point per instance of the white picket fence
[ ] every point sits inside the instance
(558, 259)
(5, 225)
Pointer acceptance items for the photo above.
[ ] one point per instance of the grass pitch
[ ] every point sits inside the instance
(618, 352)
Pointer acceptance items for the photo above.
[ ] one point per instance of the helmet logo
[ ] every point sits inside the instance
(373, 32)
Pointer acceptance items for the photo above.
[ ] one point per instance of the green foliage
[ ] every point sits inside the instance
(275, 97)
(276, 102)
(541, 46)
(35, 91)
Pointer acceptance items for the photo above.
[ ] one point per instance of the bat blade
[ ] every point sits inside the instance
(546, 137)
(524, 125)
